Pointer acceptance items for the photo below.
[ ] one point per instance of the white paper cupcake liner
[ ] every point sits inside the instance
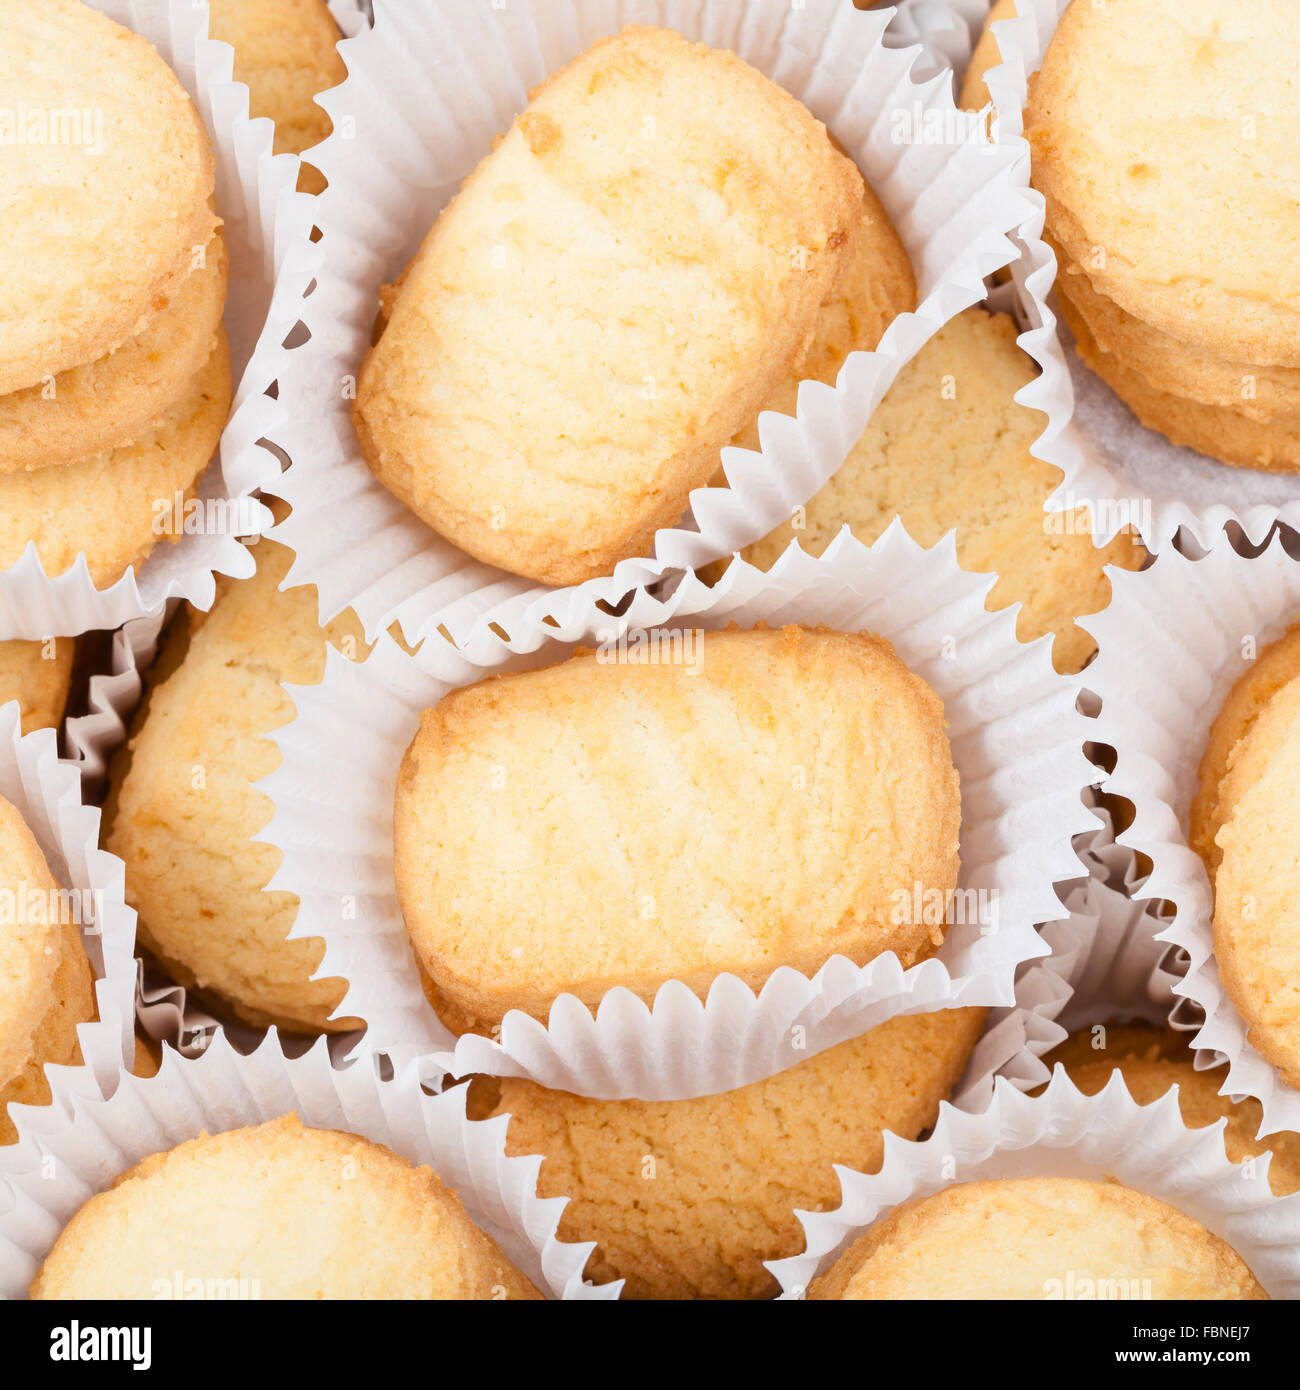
(1124, 473)
(47, 794)
(428, 88)
(267, 226)
(48, 1176)
(111, 699)
(1170, 648)
(1105, 962)
(1017, 741)
(1062, 1133)
(946, 31)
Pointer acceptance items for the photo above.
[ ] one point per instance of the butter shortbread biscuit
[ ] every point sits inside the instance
(184, 809)
(105, 188)
(626, 280)
(778, 798)
(1162, 136)
(116, 400)
(114, 508)
(949, 448)
(46, 985)
(277, 1211)
(686, 1199)
(1038, 1238)
(38, 675)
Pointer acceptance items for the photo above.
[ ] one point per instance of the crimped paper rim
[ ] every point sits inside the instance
(1061, 1133)
(52, 1171)
(47, 792)
(1163, 669)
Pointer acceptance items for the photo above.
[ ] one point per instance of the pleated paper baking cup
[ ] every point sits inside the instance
(1106, 962)
(1125, 474)
(429, 88)
(1017, 741)
(46, 792)
(111, 698)
(267, 226)
(1063, 1133)
(944, 30)
(49, 1175)
(1172, 643)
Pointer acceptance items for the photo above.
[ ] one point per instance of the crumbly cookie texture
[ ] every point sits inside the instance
(634, 270)
(1139, 1054)
(1256, 918)
(686, 1199)
(1177, 368)
(46, 985)
(1222, 432)
(1272, 671)
(987, 55)
(285, 51)
(108, 507)
(104, 214)
(38, 675)
(1174, 181)
(279, 1211)
(184, 807)
(1038, 1238)
(769, 798)
(948, 448)
(118, 399)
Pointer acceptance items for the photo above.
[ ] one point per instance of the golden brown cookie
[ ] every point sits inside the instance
(111, 403)
(1177, 368)
(1162, 137)
(948, 448)
(286, 52)
(38, 675)
(1273, 670)
(686, 1199)
(1256, 917)
(277, 1211)
(1140, 1055)
(1223, 433)
(1038, 1238)
(768, 798)
(184, 808)
(108, 507)
(46, 985)
(639, 264)
(105, 188)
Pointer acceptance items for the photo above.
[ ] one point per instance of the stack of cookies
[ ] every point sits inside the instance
(1163, 139)
(114, 368)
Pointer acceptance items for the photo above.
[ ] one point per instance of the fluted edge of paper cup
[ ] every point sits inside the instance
(256, 196)
(1105, 962)
(49, 1174)
(1063, 1133)
(945, 30)
(396, 568)
(47, 793)
(1017, 738)
(1169, 649)
(1089, 480)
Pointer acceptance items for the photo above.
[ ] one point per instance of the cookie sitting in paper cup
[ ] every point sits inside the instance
(602, 823)
(617, 291)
